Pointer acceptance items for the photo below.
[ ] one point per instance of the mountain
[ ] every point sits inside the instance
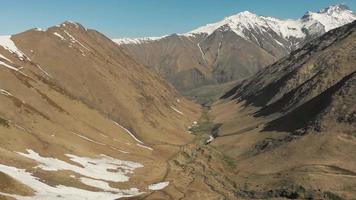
(80, 119)
(291, 127)
(231, 49)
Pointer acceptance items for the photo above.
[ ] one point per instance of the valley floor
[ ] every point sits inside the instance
(257, 164)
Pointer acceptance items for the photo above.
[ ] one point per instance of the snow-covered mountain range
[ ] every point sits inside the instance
(233, 48)
(245, 24)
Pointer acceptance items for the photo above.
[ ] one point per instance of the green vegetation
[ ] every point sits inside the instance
(210, 93)
(230, 162)
(4, 122)
(204, 125)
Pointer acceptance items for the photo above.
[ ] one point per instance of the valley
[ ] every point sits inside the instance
(250, 107)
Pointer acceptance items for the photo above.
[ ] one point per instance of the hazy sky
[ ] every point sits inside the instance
(137, 18)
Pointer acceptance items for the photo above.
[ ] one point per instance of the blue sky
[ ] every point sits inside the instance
(137, 18)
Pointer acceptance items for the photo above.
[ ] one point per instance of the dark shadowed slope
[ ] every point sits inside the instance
(291, 128)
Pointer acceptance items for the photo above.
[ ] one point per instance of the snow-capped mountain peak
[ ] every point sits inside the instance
(328, 18)
(136, 40)
(335, 8)
(285, 32)
(249, 25)
(245, 18)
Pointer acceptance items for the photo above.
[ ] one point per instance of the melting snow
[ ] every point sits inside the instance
(88, 139)
(3, 57)
(106, 187)
(40, 68)
(73, 40)
(97, 168)
(39, 29)
(59, 35)
(46, 192)
(143, 146)
(7, 43)
(104, 135)
(175, 109)
(211, 138)
(136, 40)
(119, 150)
(8, 66)
(201, 52)
(127, 131)
(4, 92)
(158, 186)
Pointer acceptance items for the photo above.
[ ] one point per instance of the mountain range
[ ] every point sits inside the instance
(291, 127)
(231, 49)
(84, 117)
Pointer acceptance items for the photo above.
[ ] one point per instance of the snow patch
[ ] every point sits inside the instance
(8, 66)
(8, 44)
(4, 92)
(119, 150)
(121, 41)
(106, 187)
(88, 139)
(105, 168)
(211, 138)
(146, 147)
(59, 35)
(3, 57)
(39, 29)
(129, 132)
(158, 186)
(178, 111)
(73, 40)
(201, 52)
(59, 192)
(44, 71)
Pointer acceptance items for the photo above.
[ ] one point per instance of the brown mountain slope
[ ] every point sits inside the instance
(231, 49)
(74, 109)
(290, 128)
(190, 62)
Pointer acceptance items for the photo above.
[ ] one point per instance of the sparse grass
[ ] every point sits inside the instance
(209, 93)
(204, 125)
(4, 122)
(333, 196)
(230, 162)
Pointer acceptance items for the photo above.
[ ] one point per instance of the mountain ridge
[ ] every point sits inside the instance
(221, 52)
(340, 11)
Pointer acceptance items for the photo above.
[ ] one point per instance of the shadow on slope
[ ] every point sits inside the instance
(308, 112)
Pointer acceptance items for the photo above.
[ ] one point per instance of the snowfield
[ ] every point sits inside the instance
(96, 168)
(8, 44)
(47, 192)
(94, 172)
